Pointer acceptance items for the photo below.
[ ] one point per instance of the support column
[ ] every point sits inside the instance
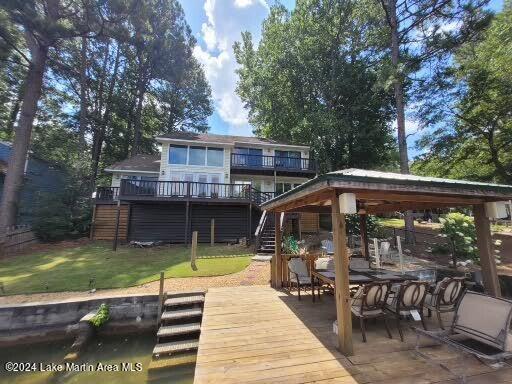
(277, 253)
(187, 221)
(116, 234)
(342, 296)
(486, 251)
(363, 228)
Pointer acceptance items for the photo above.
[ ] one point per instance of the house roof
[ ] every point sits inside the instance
(390, 189)
(138, 163)
(223, 139)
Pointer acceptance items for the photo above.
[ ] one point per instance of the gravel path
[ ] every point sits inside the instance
(257, 273)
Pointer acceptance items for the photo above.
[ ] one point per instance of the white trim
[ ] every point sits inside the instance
(129, 171)
(192, 142)
(271, 145)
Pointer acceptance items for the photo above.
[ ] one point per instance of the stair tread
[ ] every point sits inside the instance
(183, 313)
(175, 346)
(184, 300)
(171, 330)
(198, 292)
(172, 361)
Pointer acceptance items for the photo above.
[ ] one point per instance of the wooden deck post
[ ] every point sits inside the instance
(160, 299)
(363, 229)
(278, 279)
(187, 221)
(486, 251)
(193, 251)
(212, 232)
(116, 234)
(342, 296)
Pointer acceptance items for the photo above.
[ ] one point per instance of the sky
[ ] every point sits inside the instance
(217, 24)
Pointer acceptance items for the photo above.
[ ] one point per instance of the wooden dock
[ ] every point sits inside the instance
(260, 335)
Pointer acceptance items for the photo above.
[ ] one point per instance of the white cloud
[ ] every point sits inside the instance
(226, 20)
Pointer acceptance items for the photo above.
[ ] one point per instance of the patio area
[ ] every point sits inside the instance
(262, 335)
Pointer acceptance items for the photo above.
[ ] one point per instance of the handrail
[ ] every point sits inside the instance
(107, 193)
(272, 162)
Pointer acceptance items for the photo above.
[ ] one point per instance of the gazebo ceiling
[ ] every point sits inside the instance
(379, 192)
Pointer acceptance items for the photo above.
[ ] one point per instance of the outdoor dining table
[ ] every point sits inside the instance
(356, 276)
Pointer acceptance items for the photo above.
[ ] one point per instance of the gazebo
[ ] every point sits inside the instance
(373, 192)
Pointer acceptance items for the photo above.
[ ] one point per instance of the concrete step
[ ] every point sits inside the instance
(172, 361)
(181, 314)
(181, 329)
(188, 293)
(176, 347)
(183, 300)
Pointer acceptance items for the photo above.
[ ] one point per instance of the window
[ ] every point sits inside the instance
(177, 154)
(197, 156)
(284, 187)
(215, 157)
(288, 159)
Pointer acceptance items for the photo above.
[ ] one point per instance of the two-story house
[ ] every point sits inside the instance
(197, 178)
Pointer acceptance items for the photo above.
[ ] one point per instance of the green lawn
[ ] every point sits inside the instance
(394, 223)
(72, 269)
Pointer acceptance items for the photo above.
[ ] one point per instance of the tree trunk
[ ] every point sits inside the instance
(105, 120)
(13, 116)
(398, 85)
(16, 167)
(82, 122)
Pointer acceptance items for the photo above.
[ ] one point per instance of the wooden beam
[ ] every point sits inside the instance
(415, 197)
(316, 197)
(187, 221)
(404, 206)
(277, 253)
(212, 232)
(116, 234)
(342, 296)
(486, 252)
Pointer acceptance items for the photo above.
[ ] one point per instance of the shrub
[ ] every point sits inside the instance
(290, 245)
(461, 230)
(372, 225)
(101, 317)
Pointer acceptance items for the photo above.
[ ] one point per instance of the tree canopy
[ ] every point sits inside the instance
(315, 78)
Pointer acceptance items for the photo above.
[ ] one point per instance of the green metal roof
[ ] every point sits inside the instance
(391, 178)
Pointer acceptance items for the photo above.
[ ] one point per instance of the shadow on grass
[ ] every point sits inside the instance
(95, 265)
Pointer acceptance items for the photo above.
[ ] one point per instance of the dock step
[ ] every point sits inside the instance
(172, 361)
(181, 314)
(173, 330)
(184, 300)
(176, 347)
(187, 293)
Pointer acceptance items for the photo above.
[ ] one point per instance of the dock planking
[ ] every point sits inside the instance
(261, 335)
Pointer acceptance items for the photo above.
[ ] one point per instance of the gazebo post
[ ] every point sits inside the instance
(278, 264)
(342, 295)
(363, 228)
(485, 250)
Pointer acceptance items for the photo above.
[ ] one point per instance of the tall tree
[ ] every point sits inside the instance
(421, 32)
(315, 79)
(474, 138)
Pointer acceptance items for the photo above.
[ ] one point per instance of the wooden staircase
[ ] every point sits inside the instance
(180, 327)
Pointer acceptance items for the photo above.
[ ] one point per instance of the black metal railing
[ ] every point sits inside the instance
(273, 162)
(107, 193)
(182, 189)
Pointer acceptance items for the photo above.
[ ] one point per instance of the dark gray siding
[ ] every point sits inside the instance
(157, 222)
(166, 222)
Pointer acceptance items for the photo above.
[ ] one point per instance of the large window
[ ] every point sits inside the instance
(284, 187)
(215, 157)
(288, 159)
(197, 156)
(177, 154)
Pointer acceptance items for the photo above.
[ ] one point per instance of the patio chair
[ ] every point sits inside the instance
(298, 274)
(324, 263)
(369, 303)
(445, 297)
(480, 327)
(328, 247)
(410, 297)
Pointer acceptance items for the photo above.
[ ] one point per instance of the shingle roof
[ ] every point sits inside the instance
(138, 163)
(222, 139)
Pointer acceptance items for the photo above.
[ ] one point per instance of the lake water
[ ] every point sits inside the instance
(131, 352)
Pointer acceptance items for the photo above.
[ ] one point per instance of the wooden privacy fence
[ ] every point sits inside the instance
(17, 238)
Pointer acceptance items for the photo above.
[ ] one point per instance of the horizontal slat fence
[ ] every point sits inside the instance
(18, 238)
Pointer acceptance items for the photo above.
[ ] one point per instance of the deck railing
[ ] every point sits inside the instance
(273, 162)
(107, 193)
(182, 189)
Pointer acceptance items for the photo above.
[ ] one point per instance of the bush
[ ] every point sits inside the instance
(290, 245)
(461, 230)
(61, 216)
(372, 225)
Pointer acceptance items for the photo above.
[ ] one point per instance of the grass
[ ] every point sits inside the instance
(394, 223)
(72, 269)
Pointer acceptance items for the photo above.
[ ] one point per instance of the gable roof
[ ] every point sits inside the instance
(385, 184)
(138, 163)
(223, 139)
